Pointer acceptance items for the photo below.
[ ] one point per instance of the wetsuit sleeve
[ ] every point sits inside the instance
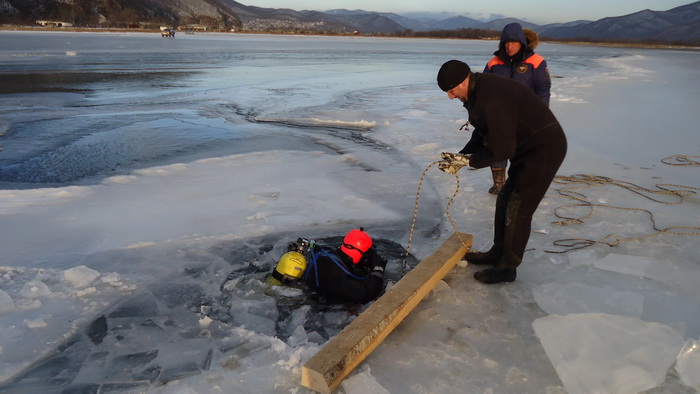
(358, 290)
(500, 142)
(334, 282)
(475, 143)
(541, 82)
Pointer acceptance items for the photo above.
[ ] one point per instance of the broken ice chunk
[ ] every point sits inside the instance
(601, 353)
(80, 277)
(688, 364)
(35, 289)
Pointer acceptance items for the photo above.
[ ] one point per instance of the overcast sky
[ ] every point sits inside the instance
(535, 11)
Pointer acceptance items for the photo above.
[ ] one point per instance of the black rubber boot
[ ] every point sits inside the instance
(492, 257)
(504, 270)
(495, 275)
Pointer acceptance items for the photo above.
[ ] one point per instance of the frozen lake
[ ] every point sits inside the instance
(116, 102)
(148, 184)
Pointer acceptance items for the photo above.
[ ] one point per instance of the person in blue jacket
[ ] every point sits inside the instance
(516, 59)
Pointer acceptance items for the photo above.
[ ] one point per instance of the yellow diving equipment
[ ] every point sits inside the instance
(291, 267)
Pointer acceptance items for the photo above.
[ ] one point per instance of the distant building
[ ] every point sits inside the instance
(194, 27)
(54, 24)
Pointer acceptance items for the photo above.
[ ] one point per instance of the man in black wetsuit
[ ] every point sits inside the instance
(510, 123)
(354, 272)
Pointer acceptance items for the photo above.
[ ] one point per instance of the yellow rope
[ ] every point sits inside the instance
(415, 214)
(681, 160)
(584, 181)
(573, 184)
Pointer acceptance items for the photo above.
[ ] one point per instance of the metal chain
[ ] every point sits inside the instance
(404, 265)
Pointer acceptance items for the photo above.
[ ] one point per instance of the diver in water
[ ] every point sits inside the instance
(353, 272)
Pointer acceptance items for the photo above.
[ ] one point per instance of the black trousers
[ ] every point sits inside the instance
(529, 178)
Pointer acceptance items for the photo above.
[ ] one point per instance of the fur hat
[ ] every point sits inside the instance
(533, 40)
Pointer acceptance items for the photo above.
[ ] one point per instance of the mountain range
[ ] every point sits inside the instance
(677, 25)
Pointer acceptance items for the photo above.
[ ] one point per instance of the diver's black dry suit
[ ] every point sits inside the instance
(511, 122)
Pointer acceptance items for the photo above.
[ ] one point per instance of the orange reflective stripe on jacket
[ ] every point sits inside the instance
(535, 60)
(494, 62)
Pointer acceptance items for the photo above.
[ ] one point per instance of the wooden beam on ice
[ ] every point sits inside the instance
(339, 357)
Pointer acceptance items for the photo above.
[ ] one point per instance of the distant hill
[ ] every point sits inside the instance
(408, 23)
(681, 24)
(499, 24)
(678, 24)
(556, 25)
(455, 22)
(403, 21)
(118, 12)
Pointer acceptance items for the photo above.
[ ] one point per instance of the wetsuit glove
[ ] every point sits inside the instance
(452, 162)
(376, 262)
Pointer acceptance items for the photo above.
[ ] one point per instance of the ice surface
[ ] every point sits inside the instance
(601, 353)
(163, 179)
(688, 364)
(625, 264)
(362, 383)
(6, 302)
(564, 298)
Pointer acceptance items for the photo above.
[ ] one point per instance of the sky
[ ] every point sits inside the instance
(538, 11)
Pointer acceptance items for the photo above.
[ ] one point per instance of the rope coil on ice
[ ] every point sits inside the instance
(571, 186)
(681, 160)
(584, 181)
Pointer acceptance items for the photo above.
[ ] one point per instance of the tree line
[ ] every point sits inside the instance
(467, 33)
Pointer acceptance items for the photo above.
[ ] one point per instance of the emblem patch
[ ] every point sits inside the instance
(522, 68)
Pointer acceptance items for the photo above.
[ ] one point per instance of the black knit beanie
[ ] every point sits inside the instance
(451, 74)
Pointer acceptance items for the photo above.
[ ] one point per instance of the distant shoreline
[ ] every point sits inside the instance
(154, 31)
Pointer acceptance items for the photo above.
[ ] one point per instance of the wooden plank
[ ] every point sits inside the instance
(339, 357)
